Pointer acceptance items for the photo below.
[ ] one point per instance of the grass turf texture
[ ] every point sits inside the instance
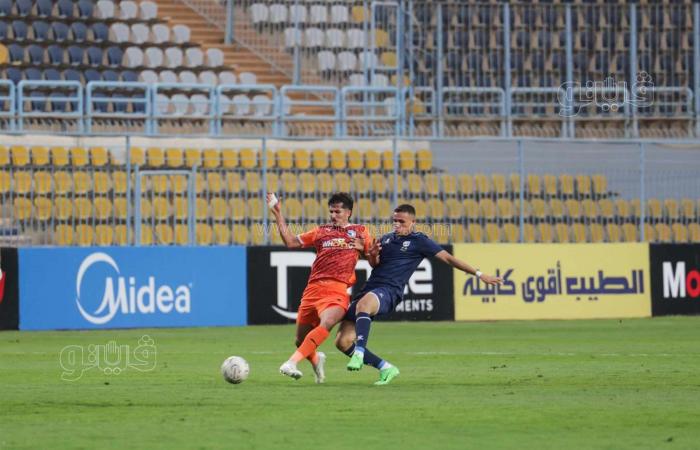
(630, 384)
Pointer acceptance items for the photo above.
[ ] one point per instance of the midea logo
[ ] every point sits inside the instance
(125, 297)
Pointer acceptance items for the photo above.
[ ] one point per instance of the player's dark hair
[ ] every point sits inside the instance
(406, 208)
(341, 197)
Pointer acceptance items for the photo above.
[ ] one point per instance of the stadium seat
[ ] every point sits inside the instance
(566, 183)
(556, 208)
(457, 233)
(483, 184)
(99, 156)
(365, 209)
(415, 184)
(342, 182)
(597, 232)
(573, 208)
(561, 231)
(680, 233)
(164, 234)
(387, 160)
(534, 185)
(514, 179)
(550, 185)
(20, 155)
(284, 159)
(511, 232)
(324, 182)
(182, 234)
(424, 159)
(43, 183)
(650, 234)
(355, 160)
(613, 232)
(311, 209)
(654, 209)
(204, 234)
(302, 159)
(545, 232)
(663, 233)
(629, 232)
(600, 185)
(694, 232)
(22, 182)
(407, 161)
(272, 182)
(383, 209)
(22, 209)
(253, 182)
(255, 208)
(373, 160)
(499, 184)
(487, 208)
(59, 156)
(240, 234)
(493, 232)
(63, 235)
(82, 183)
(449, 184)
(337, 160)
(539, 208)
(688, 209)
(671, 209)
(471, 209)
(583, 185)
(476, 232)
(361, 184)
(247, 157)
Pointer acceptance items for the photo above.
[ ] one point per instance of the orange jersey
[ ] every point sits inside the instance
(335, 258)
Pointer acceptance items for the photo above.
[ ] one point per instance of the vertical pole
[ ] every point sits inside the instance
(521, 160)
(266, 229)
(696, 63)
(632, 105)
(506, 68)
(192, 214)
(297, 54)
(569, 72)
(401, 97)
(438, 61)
(129, 196)
(395, 154)
(411, 61)
(228, 39)
(642, 189)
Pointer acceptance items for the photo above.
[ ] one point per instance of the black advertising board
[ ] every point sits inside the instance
(675, 279)
(9, 295)
(277, 277)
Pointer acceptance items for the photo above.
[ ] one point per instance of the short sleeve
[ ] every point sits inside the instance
(430, 248)
(307, 239)
(368, 240)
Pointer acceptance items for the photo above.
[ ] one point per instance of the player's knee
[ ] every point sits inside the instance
(366, 305)
(298, 342)
(343, 342)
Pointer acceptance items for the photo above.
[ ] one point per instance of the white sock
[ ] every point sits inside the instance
(385, 365)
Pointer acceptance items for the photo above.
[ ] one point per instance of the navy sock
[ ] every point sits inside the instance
(370, 358)
(362, 325)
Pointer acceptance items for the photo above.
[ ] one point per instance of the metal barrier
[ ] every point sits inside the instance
(120, 101)
(60, 100)
(299, 105)
(367, 111)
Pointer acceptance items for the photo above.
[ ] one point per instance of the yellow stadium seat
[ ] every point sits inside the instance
(636, 207)
(471, 208)
(407, 160)
(312, 209)
(436, 208)
(237, 207)
(483, 184)
(302, 159)
(102, 183)
(694, 232)
(493, 232)
(119, 182)
(20, 155)
(275, 238)
(199, 183)
(222, 234)
(99, 156)
(387, 160)
(654, 208)
(63, 235)
(342, 182)
(515, 183)
(359, 14)
(120, 235)
(83, 208)
(506, 209)
(215, 184)
(103, 208)
(629, 232)
(22, 208)
(337, 159)
(164, 234)
(573, 208)
(319, 159)
(5, 182)
(379, 183)
(159, 184)
(388, 59)
(193, 157)
(120, 204)
(680, 233)
(487, 208)
(476, 232)
(79, 157)
(597, 232)
(373, 160)
(84, 235)
(498, 181)
(4, 156)
(161, 208)
(155, 157)
(22, 182)
(383, 209)
(43, 183)
(431, 182)
(104, 235)
(454, 208)
(204, 234)
(247, 158)
(137, 156)
(545, 231)
(180, 208)
(82, 182)
(650, 233)
(511, 232)
(566, 185)
(178, 184)
(240, 234)
(606, 208)
(415, 183)
(307, 181)
(146, 235)
(623, 208)
(672, 208)
(182, 234)
(174, 157)
(253, 182)
(40, 156)
(272, 182)
(201, 209)
(381, 38)
(292, 208)
(324, 182)
(217, 208)
(355, 160)
(688, 209)
(534, 185)
(361, 184)
(583, 185)
(614, 233)
(556, 208)
(539, 208)
(561, 230)
(285, 159)
(449, 184)
(42, 208)
(457, 233)
(59, 156)
(364, 209)
(211, 159)
(550, 185)
(529, 233)
(255, 208)
(256, 234)
(424, 158)
(663, 233)
(600, 185)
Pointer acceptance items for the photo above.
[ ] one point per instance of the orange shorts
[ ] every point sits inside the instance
(320, 295)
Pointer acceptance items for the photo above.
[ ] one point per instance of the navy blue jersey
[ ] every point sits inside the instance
(399, 258)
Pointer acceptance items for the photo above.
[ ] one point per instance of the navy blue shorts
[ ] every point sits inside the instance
(388, 299)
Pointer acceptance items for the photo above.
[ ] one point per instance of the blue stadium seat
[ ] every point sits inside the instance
(32, 74)
(44, 8)
(129, 76)
(138, 107)
(36, 54)
(100, 32)
(59, 31)
(92, 75)
(52, 75)
(119, 106)
(37, 105)
(13, 74)
(19, 30)
(95, 56)
(16, 53)
(100, 106)
(85, 8)
(58, 106)
(4, 30)
(110, 75)
(115, 55)
(24, 7)
(65, 8)
(41, 30)
(79, 31)
(5, 8)
(72, 75)
(76, 55)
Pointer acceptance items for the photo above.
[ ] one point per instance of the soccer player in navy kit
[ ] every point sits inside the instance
(394, 258)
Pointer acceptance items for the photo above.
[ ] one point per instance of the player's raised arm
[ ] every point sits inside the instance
(457, 263)
(289, 239)
(373, 253)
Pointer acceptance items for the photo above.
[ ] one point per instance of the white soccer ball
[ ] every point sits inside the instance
(235, 369)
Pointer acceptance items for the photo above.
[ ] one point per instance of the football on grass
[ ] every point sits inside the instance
(235, 369)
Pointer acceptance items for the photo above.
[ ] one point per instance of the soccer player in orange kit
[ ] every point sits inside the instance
(325, 300)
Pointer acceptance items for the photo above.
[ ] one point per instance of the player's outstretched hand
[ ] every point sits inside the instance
(375, 248)
(358, 244)
(273, 203)
(488, 279)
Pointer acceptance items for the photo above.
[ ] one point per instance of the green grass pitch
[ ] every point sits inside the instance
(607, 384)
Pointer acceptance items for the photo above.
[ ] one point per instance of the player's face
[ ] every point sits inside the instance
(403, 223)
(339, 216)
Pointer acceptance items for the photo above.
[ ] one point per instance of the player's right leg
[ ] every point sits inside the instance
(307, 320)
(367, 306)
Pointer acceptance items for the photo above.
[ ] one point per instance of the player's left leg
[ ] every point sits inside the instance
(314, 338)
(307, 320)
(344, 341)
(366, 307)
